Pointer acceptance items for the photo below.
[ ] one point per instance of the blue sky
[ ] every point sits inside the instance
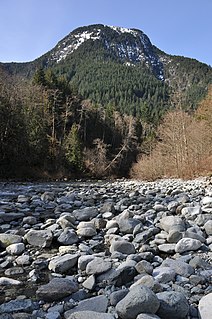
(29, 28)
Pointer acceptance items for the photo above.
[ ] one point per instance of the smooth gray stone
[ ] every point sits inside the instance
(57, 289)
(9, 217)
(8, 239)
(116, 296)
(147, 316)
(164, 274)
(144, 266)
(39, 238)
(64, 263)
(205, 306)
(187, 244)
(89, 315)
(169, 222)
(68, 237)
(208, 227)
(140, 299)
(25, 305)
(180, 267)
(117, 277)
(15, 249)
(98, 266)
(98, 304)
(172, 305)
(85, 214)
(89, 283)
(122, 246)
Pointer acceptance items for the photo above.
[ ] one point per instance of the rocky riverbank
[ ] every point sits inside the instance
(105, 250)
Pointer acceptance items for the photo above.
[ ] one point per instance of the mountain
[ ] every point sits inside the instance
(119, 68)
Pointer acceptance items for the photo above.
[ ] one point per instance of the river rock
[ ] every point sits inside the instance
(208, 227)
(180, 267)
(68, 237)
(97, 266)
(85, 214)
(57, 289)
(86, 229)
(164, 274)
(8, 239)
(172, 305)
(205, 306)
(140, 299)
(13, 306)
(97, 304)
(126, 229)
(39, 238)
(169, 222)
(15, 249)
(187, 244)
(63, 264)
(5, 281)
(122, 246)
(89, 315)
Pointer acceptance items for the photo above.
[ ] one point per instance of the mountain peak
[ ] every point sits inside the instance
(129, 46)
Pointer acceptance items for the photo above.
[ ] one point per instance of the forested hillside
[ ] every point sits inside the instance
(47, 131)
(92, 103)
(120, 68)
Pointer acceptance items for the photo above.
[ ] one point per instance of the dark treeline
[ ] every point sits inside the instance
(47, 130)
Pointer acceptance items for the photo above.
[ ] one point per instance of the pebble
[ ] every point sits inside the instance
(103, 250)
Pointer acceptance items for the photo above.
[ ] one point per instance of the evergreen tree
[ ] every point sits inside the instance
(73, 151)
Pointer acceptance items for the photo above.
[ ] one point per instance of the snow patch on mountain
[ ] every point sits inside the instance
(124, 30)
(131, 50)
(75, 41)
